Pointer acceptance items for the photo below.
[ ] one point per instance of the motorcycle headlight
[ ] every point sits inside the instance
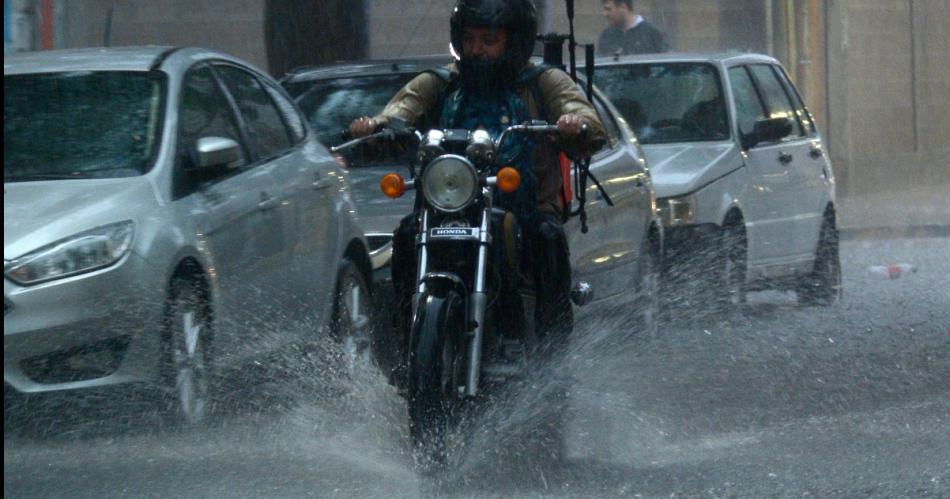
(450, 183)
(84, 252)
(677, 211)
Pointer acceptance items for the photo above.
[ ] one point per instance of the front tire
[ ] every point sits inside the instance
(435, 366)
(187, 358)
(647, 306)
(352, 317)
(730, 286)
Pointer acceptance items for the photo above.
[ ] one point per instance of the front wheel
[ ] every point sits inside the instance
(352, 317)
(822, 287)
(730, 290)
(435, 375)
(187, 354)
(647, 306)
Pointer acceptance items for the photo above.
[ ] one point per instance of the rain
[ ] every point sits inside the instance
(775, 393)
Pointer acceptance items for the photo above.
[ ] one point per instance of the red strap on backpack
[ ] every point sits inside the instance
(567, 193)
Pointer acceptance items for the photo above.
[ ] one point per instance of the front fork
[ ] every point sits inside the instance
(478, 298)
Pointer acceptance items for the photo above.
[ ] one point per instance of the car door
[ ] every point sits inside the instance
(797, 210)
(813, 173)
(766, 211)
(303, 197)
(230, 199)
(607, 255)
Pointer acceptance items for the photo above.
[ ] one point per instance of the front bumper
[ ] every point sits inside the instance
(96, 329)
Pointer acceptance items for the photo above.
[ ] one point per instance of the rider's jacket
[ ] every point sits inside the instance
(426, 102)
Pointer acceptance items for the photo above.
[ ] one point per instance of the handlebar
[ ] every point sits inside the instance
(534, 127)
(385, 133)
(390, 134)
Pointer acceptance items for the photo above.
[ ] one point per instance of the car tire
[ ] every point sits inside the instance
(729, 287)
(353, 317)
(647, 306)
(822, 287)
(187, 355)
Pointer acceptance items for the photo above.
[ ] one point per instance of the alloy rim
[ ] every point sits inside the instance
(190, 380)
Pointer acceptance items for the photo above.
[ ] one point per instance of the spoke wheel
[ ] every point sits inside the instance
(188, 362)
(435, 373)
(352, 320)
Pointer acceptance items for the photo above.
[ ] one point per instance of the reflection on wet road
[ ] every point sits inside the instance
(850, 401)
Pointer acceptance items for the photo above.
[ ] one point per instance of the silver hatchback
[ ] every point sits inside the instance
(168, 215)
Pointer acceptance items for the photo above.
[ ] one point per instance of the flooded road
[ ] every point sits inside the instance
(850, 401)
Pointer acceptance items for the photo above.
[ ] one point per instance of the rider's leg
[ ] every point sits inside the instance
(554, 315)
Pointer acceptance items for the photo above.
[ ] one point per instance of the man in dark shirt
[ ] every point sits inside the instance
(628, 33)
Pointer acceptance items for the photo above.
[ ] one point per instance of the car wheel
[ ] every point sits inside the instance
(730, 287)
(647, 306)
(352, 317)
(822, 287)
(187, 359)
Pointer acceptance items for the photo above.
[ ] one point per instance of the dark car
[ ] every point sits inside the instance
(618, 257)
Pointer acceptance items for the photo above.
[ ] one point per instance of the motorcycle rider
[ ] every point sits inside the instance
(493, 85)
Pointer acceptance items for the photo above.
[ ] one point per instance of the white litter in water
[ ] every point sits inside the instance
(894, 271)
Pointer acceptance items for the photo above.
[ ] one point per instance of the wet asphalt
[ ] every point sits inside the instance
(773, 401)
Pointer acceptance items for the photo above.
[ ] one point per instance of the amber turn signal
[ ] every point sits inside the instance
(508, 179)
(393, 185)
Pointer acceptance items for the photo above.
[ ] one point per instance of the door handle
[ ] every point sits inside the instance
(267, 202)
(816, 152)
(785, 158)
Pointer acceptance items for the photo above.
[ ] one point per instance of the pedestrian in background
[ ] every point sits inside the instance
(627, 32)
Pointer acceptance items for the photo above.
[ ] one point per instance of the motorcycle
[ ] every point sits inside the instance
(472, 306)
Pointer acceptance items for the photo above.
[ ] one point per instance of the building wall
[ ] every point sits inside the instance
(232, 26)
(889, 96)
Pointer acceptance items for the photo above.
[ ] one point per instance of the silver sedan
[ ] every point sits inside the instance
(168, 216)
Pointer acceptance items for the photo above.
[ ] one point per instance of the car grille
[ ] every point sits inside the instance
(87, 362)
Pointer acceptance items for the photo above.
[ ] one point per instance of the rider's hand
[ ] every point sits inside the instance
(570, 125)
(361, 127)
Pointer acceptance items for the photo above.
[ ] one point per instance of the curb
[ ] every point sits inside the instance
(906, 232)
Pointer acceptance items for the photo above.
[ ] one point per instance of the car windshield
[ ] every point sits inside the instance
(668, 102)
(330, 105)
(80, 124)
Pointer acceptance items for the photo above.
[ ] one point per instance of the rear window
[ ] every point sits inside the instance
(81, 124)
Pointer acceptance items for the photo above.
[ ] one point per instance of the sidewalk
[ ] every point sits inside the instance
(918, 212)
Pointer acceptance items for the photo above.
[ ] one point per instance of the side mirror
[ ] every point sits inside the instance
(217, 152)
(768, 130)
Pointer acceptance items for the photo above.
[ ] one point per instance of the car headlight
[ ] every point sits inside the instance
(677, 211)
(84, 252)
(450, 183)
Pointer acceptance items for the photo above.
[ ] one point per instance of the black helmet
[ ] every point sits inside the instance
(519, 18)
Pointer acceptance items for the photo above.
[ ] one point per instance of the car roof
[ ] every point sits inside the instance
(367, 68)
(405, 65)
(144, 58)
(724, 58)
